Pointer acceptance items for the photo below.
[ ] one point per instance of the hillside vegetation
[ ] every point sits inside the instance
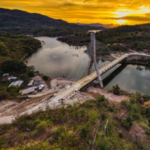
(12, 49)
(15, 47)
(125, 38)
(119, 39)
(74, 127)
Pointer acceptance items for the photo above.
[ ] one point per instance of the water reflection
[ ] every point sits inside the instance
(57, 59)
(130, 78)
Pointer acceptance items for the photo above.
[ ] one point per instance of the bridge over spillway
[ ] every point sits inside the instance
(68, 92)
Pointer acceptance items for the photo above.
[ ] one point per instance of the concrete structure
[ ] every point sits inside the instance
(30, 83)
(28, 90)
(65, 93)
(12, 78)
(16, 83)
(5, 74)
(87, 79)
(93, 42)
(41, 86)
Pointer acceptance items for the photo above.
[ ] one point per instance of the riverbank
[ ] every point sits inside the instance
(137, 60)
(10, 109)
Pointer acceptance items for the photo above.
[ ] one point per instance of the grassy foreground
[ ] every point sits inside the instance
(73, 127)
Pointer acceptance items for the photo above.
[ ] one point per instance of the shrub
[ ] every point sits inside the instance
(106, 145)
(45, 78)
(58, 133)
(127, 123)
(1, 143)
(3, 95)
(85, 131)
(132, 100)
(13, 66)
(120, 134)
(31, 73)
(101, 101)
(89, 104)
(41, 127)
(116, 89)
(23, 123)
(124, 103)
(146, 98)
(104, 116)
(138, 97)
(110, 108)
(101, 98)
(147, 112)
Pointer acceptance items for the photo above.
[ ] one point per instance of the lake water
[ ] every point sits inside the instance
(130, 78)
(57, 59)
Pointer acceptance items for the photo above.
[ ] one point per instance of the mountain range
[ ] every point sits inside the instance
(17, 21)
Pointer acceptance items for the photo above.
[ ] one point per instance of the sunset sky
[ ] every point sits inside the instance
(87, 11)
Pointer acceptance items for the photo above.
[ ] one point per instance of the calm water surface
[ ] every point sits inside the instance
(131, 78)
(57, 59)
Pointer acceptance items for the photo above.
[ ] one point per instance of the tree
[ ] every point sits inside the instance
(116, 89)
(13, 66)
(45, 78)
(85, 131)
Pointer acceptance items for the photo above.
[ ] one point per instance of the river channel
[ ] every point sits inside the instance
(56, 59)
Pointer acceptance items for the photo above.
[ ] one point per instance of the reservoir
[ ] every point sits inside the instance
(56, 59)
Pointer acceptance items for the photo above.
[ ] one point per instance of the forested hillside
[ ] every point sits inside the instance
(12, 49)
(122, 38)
(125, 38)
(15, 47)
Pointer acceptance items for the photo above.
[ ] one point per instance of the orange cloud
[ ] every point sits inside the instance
(87, 11)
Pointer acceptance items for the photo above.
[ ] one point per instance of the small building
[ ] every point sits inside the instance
(41, 86)
(5, 74)
(12, 78)
(30, 83)
(16, 83)
(30, 90)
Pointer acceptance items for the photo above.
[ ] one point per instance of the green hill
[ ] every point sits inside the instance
(125, 38)
(15, 46)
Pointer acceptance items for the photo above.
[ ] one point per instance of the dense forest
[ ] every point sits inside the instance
(21, 22)
(124, 126)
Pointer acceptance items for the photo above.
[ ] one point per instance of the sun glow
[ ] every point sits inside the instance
(109, 12)
(121, 21)
(121, 13)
